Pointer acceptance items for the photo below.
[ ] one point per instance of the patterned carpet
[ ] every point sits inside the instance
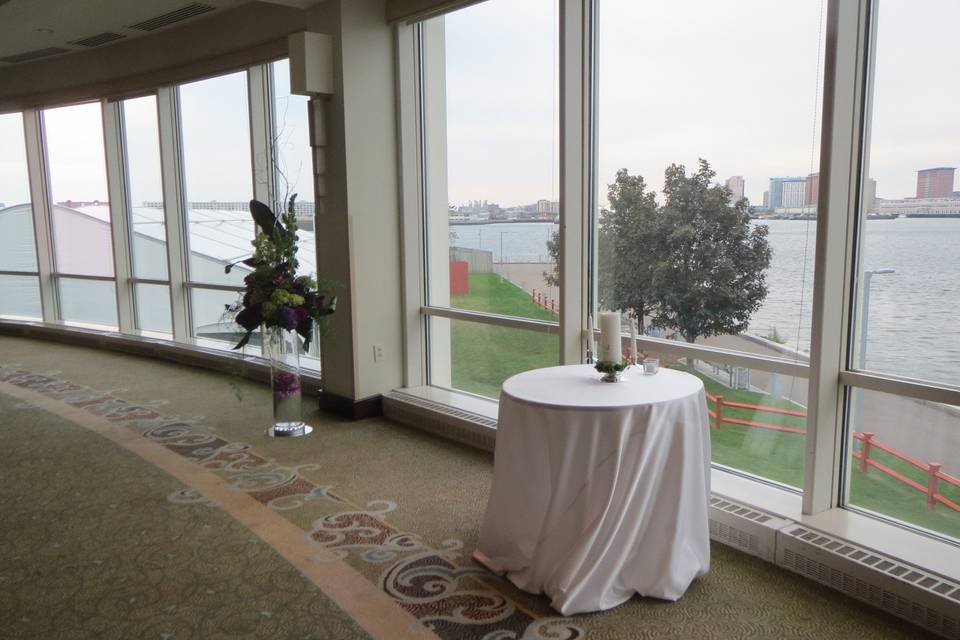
(127, 514)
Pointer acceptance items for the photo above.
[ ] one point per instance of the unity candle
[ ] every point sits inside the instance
(610, 350)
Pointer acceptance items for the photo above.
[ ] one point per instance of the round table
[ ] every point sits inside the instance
(600, 489)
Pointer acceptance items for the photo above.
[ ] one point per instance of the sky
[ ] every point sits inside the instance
(216, 134)
(735, 82)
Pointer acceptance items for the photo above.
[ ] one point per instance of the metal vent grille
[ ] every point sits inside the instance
(177, 15)
(919, 596)
(745, 528)
(454, 424)
(99, 39)
(36, 54)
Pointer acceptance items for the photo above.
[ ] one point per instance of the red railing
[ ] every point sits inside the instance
(868, 442)
(548, 303)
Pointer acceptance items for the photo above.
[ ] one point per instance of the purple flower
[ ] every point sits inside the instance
(285, 384)
(287, 318)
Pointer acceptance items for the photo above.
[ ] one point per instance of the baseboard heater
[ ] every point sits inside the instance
(914, 594)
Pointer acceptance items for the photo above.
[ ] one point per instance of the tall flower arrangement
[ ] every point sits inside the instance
(275, 296)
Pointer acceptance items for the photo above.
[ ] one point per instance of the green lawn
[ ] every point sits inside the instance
(484, 356)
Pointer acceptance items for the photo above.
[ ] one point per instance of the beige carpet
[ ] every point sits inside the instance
(393, 505)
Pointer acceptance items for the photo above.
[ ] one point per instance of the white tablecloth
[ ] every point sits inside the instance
(600, 489)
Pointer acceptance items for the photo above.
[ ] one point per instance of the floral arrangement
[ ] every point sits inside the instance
(275, 296)
(611, 368)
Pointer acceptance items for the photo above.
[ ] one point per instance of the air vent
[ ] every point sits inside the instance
(745, 528)
(467, 427)
(184, 13)
(34, 55)
(914, 594)
(97, 40)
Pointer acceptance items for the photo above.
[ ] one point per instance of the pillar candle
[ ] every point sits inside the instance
(610, 349)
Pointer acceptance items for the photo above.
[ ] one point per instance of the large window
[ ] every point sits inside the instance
(706, 190)
(491, 188)
(907, 275)
(80, 214)
(148, 237)
(19, 285)
(218, 183)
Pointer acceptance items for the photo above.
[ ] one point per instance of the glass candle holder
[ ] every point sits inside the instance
(651, 366)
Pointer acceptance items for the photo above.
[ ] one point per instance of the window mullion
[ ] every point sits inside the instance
(262, 134)
(171, 160)
(41, 204)
(575, 184)
(841, 150)
(119, 212)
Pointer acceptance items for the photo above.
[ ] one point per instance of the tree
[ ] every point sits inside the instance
(628, 240)
(710, 273)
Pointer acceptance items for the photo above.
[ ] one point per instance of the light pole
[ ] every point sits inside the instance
(864, 323)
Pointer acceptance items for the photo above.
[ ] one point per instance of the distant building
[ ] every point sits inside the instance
(921, 207)
(777, 186)
(736, 186)
(812, 190)
(548, 206)
(935, 183)
(766, 199)
(793, 192)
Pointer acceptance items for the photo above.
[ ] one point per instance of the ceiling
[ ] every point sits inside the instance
(35, 29)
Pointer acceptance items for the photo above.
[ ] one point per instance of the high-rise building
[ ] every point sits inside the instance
(812, 190)
(793, 193)
(736, 185)
(777, 190)
(935, 183)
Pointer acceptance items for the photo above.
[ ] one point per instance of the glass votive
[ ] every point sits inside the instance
(651, 366)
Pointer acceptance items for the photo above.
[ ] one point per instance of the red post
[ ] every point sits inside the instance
(865, 451)
(718, 421)
(934, 468)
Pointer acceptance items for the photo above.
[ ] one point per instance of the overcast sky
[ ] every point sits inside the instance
(734, 82)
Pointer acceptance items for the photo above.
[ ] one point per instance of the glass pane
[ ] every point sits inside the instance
(20, 296)
(294, 161)
(144, 188)
(78, 188)
(153, 307)
(905, 460)
(88, 301)
(218, 176)
(478, 357)
(707, 168)
(909, 270)
(208, 312)
(762, 416)
(491, 157)
(18, 252)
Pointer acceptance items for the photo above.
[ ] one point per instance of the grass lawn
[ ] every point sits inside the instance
(484, 356)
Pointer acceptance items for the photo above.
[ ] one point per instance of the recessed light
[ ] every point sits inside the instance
(44, 30)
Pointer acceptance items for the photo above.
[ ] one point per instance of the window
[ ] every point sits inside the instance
(148, 237)
(218, 179)
(707, 190)
(490, 142)
(903, 450)
(19, 285)
(293, 161)
(80, 214)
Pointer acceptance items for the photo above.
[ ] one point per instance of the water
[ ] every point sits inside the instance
(912, 319)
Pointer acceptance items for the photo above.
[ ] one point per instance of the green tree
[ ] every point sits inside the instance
(629, 237)
(710, 273)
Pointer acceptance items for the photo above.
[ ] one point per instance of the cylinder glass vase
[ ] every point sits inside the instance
(281, 348)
